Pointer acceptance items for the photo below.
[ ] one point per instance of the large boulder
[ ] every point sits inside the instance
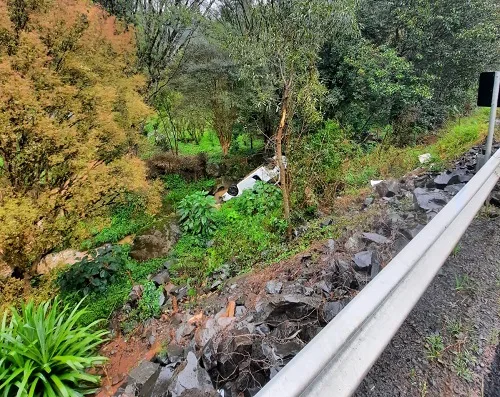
(157, 241)
(51, 261)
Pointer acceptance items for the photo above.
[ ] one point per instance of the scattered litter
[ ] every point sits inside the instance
(424, 158)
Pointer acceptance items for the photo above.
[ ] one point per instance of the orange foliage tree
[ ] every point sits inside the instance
(70, 109)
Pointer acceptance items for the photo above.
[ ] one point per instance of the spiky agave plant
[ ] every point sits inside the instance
(45, 353)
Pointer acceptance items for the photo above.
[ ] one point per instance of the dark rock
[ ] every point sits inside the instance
(451, 178)
(262, 329)
(181, 292)
(161, 299)
(228, 390)
(241, 342)
(389, 188)
(400, 243)
(363, 260)
(375, 269)
(330, 244)
(454, 189)
(175, 353)
(164, 378)
(274, 287)
(144, 377)
(127, 390)
(331, 309)
(343, 265)
(184, 330)
(495, 199)
(326, 222)
(376, 238)
(276, 309)
(251, 391)
(369, 201)
(191, 377)
(156, 242)
(209, 355)
(444, 179)
(309, 331)
(411, 233)
(430, 200)
(135, 294)
(161, 278)
(287, 349)
(323, 286)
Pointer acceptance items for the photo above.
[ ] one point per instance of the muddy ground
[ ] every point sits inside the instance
(462, 306)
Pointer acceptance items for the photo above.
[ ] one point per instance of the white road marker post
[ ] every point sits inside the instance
(493, 116)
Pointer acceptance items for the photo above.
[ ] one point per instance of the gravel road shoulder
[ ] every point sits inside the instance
(448, 346)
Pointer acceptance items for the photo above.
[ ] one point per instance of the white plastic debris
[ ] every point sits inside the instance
(375, 183)
(424, 158)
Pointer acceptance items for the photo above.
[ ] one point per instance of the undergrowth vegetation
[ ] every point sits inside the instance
(197, 214)
(103, 296)
(45, 352)
(128, 217)
(330, 162)
(245, 228)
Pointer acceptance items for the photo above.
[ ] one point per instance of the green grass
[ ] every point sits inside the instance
(127, 218)
(435, 346)
(209, 143)
(393, 162)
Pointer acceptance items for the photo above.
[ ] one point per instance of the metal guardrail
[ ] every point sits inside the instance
(335, 362)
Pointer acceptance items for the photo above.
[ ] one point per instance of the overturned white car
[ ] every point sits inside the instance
(263, 173)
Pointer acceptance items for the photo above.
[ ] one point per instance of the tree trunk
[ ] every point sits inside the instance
(225, 144)
(285, 104)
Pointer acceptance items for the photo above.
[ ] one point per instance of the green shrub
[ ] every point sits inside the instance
(246, 226)
(318, 161)
(262, 199)
(101, 305)
(43, 352)
(178, 188)
(197, 214)
(149, 304)
(94, 272)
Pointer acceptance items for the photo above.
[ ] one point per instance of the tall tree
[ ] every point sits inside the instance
(276, 44)
(163, 30)
(451, 41)
(70, 109)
